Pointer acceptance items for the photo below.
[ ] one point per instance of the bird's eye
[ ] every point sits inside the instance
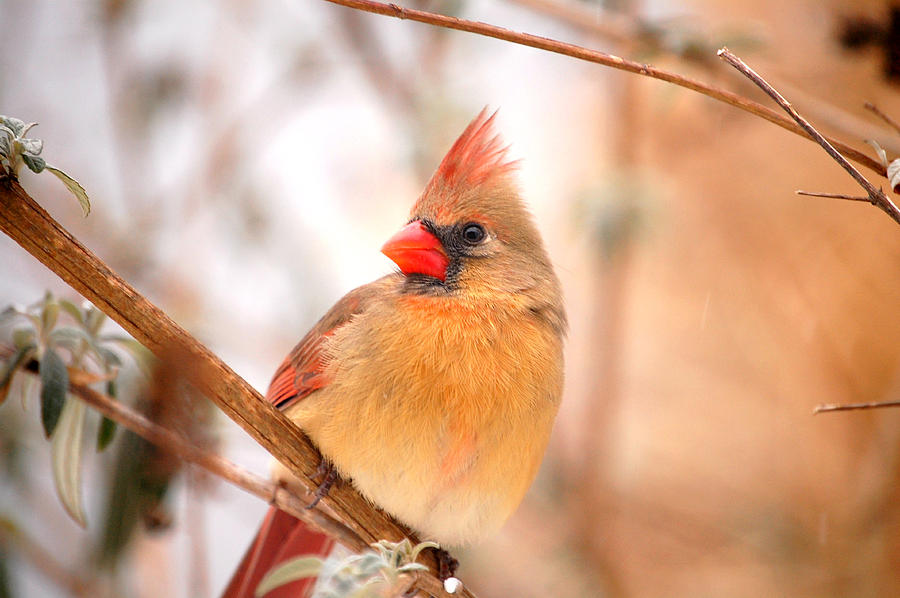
(473, 234)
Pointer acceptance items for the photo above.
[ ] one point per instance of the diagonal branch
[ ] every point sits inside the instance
(827, 407)
(602, 58)
(876, 195)
(37, 232)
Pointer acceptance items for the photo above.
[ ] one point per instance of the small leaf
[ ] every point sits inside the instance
(292, 570)
(19, 358)
(54, 385)
(107, 430)
(108, 357)
(66, 449)
(75, 187)
(893, 173)
(142, 356)
(23, 337)
(72, 309)
(69, 334)
(35, 164)
(105, 433)
(94, 320)
(15, 125)
(49, 314)
(31, 146)
(5, 147)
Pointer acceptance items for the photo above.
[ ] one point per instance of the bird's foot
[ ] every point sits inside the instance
(328, 475)
(447, 565)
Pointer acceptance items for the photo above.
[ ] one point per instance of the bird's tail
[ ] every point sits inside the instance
(280, 538)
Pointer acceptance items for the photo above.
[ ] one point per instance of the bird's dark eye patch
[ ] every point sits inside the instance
(473, 233)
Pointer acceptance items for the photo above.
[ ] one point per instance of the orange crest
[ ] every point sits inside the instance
(477, 156)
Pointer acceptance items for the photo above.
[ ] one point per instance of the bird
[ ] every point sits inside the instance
(433, 389)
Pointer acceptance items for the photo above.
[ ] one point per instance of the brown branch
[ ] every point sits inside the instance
(34, 229)
(827, 407)
(602, 58)
(826, 195)
(876, 195)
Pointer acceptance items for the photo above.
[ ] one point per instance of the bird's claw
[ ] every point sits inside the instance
(447, 565)
(329, 475)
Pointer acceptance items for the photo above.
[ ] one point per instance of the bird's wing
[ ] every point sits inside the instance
(303, 370)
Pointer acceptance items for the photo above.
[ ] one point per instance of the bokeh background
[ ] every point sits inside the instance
(246, 160)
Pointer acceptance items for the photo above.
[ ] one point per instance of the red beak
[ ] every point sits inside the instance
(417, 251)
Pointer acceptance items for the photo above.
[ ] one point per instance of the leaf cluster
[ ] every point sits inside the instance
(16, 150)
(51, 341)
(377, 573)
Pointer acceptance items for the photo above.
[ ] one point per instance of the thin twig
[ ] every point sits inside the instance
(864, 198)
(854, 406)
(602, 58)
(890, 121)
(876, 195)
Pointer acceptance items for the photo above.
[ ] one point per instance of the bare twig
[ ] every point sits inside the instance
(602, 58)
(876, 196)
(864, 198)
(35, 230)
(887, 119)
(854, 406)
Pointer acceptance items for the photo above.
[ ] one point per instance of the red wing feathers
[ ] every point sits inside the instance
(303, 370)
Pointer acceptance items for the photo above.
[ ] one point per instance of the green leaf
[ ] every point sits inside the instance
(49, 315)
(66, 449)
(75, 187)
(22, 337)
(107, 430)
(72, 309)
(35, 164)
(93, 320)
(292, 570)
(54, 385)
(19, 358)
(105, 433)
(5, 147)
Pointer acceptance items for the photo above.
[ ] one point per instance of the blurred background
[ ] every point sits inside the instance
(247, 160)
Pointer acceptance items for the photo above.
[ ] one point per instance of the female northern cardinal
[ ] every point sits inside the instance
(434, 388)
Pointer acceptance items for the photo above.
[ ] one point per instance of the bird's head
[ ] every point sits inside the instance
(470, 233)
